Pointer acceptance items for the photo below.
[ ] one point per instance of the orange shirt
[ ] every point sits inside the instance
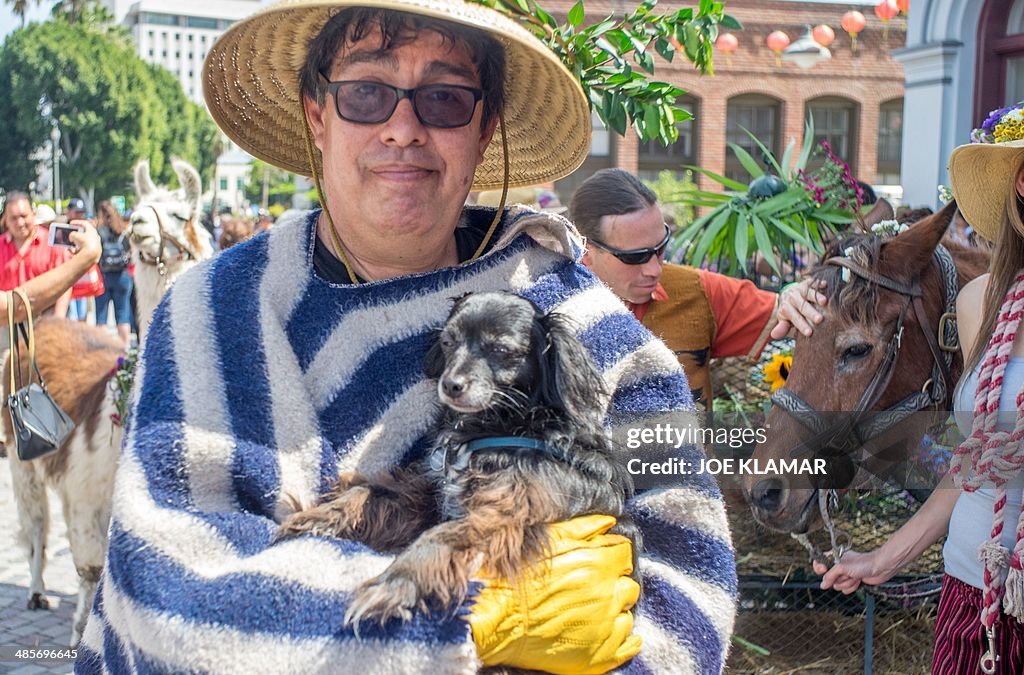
(35, 257)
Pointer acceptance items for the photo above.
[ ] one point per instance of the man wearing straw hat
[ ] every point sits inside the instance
(297, 355)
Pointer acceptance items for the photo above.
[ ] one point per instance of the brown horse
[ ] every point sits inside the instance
(857, 383)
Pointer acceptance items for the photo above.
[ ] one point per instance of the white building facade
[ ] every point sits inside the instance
(177, 34)
(963, 59)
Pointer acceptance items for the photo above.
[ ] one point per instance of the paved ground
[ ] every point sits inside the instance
(41, 628)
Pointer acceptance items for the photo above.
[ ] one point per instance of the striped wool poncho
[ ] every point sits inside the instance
(259, 381)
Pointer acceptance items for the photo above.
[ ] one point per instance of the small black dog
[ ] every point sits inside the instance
(521, 445)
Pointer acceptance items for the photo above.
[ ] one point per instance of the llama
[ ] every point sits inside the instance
(77, 362)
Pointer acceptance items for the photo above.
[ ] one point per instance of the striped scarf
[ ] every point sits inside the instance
(991, 456)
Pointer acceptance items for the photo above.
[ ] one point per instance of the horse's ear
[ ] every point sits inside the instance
(143, 183)
(909, 252)
(190, 182)
(882, 210)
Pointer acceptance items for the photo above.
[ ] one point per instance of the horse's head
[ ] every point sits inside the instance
(165, 229)
(857, 359)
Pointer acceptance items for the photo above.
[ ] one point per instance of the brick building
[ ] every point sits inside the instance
(856, 98)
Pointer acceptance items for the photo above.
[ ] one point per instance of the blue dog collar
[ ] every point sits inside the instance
(507, 442)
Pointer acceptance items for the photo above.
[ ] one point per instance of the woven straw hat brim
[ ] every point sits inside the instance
(979, 174)
(251, 86)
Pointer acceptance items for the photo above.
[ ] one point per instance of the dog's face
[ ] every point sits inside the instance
(487, 351)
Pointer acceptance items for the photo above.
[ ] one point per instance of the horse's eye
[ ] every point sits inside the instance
(857, 351)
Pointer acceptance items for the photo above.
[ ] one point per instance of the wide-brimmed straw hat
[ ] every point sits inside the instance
(981, 172)
(251, 84)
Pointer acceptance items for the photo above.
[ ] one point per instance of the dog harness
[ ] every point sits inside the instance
(439, 460)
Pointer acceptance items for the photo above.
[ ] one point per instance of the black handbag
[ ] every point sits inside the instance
(40, 426)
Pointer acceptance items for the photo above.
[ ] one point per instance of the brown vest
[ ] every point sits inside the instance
(686, 324)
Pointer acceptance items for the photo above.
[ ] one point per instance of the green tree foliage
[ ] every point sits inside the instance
(602, 54)
(280, 184)
(111, 107)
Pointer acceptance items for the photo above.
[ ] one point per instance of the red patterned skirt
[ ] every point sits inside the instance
(960, 640)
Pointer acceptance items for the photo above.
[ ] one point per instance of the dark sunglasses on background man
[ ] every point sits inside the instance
(637, 256)
(443, 106)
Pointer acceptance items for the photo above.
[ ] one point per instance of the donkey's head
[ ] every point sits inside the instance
(165, 227)
(833, 368)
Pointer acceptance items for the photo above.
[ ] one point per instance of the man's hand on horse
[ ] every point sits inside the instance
(799, 308)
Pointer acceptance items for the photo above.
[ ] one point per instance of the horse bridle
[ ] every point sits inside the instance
(854, 431)
(163, 237)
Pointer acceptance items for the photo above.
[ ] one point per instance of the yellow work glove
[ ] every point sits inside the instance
(570, 614)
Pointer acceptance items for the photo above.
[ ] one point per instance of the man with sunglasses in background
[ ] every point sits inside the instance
(296, 357)
(699, 314)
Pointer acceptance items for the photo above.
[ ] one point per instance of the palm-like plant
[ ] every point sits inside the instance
(772, 215)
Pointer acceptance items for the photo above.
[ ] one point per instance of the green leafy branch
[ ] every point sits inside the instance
(613, 59)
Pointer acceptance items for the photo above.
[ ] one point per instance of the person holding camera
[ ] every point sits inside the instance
(24, 251)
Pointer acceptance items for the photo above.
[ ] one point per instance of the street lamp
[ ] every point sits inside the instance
(55, 142)
(806, 52)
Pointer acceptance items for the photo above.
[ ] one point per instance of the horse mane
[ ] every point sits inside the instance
(856, 299)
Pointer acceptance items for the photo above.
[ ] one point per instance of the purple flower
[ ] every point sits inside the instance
(120, 361)
(989, 125)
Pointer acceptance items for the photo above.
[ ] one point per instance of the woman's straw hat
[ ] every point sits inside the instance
(981, 172)
(251, 85)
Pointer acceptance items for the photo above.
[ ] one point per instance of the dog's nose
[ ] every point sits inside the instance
(453, 386)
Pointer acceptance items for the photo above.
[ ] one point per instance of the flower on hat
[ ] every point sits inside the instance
(1002, 126)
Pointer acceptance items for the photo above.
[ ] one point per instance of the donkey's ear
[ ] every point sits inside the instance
(143, 183)
(909, 252)
(190, 182)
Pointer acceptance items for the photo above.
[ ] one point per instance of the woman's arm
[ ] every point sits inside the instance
(48, 288)
(926, 527)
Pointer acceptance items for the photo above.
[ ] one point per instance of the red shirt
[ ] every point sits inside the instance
(35, 257)
(742, 313)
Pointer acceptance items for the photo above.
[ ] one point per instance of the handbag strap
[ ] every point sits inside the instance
(28, 335)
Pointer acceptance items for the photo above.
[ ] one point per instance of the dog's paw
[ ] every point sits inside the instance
(303, 522)
(392, 595)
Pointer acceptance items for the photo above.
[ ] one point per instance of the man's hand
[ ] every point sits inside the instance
(799, 306)
(570, 613)
(87, 241)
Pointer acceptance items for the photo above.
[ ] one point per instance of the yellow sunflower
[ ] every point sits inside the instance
(776, 372)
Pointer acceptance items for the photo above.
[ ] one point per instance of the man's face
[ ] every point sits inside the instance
(76, 214)
(639, 229)
(399, 177)
(19, 219)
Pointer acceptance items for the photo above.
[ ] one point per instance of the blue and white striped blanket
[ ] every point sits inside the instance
(260, 380)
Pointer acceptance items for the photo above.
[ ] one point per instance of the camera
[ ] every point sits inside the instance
(60, 234)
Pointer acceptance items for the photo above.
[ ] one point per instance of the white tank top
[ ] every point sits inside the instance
(971, 522)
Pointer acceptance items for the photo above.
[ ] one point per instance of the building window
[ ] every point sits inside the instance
(1000, 56)
(224, 184)
(201, 22)
(158, 19)
(654, 156)
(165, 53)
(761, 116)
(835, 121)
(150, 53)
(239, 184)
(177, 55)
(150, 35)
(890, 142)
(190, 36)
(177, 36)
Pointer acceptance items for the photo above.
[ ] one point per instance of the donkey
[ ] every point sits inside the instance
(77, 362)
(885, 350)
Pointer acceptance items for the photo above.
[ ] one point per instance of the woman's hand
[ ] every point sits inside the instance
(87, 241)
(854, 569)
(570, 614)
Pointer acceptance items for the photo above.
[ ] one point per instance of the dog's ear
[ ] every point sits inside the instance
(568, 378)
(433, 362)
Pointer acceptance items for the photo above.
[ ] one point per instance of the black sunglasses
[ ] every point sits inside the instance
(444, 106)
(637, 256)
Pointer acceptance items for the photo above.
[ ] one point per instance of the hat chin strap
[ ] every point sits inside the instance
(336, 240)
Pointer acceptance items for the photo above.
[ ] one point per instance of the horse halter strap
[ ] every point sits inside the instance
(854, 431)
(164, 237)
